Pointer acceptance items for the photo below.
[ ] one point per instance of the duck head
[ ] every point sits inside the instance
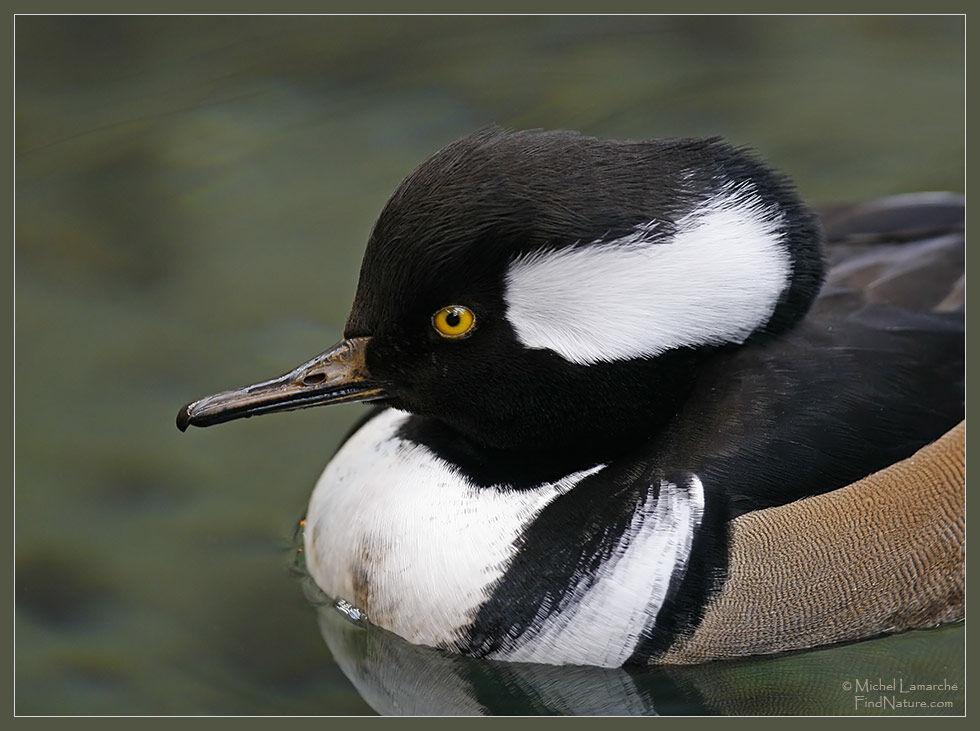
(546, 290)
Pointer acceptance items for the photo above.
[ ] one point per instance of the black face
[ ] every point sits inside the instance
(446, 238)
(493, 390)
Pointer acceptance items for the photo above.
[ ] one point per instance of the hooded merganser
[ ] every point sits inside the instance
(590, 359)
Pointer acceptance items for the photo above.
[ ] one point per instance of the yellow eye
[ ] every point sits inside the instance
(454, 321)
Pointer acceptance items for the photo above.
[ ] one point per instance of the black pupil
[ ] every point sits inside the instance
(453, 318)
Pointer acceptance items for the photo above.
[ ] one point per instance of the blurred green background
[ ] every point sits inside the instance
(193, 198)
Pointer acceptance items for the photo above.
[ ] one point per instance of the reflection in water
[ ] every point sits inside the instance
(398, 678)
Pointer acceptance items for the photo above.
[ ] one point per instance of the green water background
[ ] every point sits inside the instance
(193, 198)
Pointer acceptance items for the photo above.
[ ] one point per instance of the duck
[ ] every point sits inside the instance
(635, 403)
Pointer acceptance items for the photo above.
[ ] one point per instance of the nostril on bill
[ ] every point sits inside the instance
(314, 378)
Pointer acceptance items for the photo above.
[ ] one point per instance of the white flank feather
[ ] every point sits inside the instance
(606, 616)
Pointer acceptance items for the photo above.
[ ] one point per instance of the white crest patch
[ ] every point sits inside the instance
(403, 536)
(606, 617)
(716, 280)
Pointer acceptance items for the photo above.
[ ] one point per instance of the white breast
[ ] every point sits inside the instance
(407, 538)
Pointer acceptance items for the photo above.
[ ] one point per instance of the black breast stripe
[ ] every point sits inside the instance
(561, 551)
(693, 586)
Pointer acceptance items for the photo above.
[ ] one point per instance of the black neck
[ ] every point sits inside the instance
(623, 407)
